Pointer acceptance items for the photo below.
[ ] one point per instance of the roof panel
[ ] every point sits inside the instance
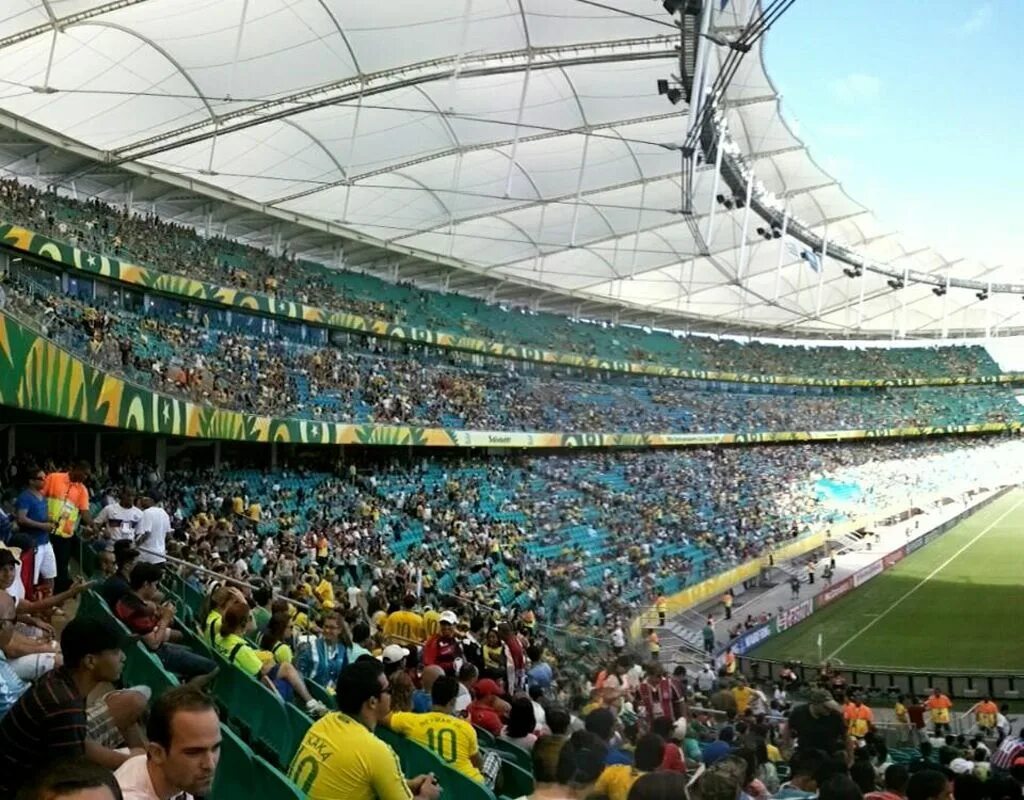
(522, 138)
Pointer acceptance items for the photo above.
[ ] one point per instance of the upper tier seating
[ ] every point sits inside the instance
(168, 246)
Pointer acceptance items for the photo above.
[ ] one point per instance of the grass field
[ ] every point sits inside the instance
(957, 603)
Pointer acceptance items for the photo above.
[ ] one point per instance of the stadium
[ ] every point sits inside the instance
(490, 399)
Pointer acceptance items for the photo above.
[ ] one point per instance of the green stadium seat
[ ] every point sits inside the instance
(142, 667)
(272, 783)
(234, 778)
(418, 760)
(514, 781)
(254, 708)
(511, 752)
(299, 722)
(484, 737)
(321, 694)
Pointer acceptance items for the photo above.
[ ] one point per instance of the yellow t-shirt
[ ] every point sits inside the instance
(255, 510)
(431, 622)
(616, 781)
(452, 739)
(281, 654)
(743, 696)
(324, 591)
(238, 505)
(340, 757)
(774, 755)
(406, 625)
(211, 630)
(900, 711)
(245, 658)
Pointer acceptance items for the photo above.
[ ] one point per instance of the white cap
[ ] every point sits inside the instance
(392, 654)
(961, 766)
(448, 616)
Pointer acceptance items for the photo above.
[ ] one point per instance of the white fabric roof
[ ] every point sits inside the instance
(524, 139)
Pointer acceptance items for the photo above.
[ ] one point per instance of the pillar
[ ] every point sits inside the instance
(216, 455)
(97, 452)
(273, 455)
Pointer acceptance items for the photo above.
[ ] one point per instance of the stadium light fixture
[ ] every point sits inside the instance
(938, 291)
(673, 93)
(982, 295)
(896, 283)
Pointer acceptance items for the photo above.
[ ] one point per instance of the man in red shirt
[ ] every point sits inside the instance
(487, 710)
(141, 615)
(443, 647)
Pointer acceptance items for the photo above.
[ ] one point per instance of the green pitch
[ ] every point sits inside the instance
(957, 603)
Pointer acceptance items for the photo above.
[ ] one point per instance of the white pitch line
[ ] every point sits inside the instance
(923, 581)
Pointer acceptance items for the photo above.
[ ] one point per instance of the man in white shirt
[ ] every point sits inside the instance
(706, 680)
(154, 525)
(183, 751)
(120, 520)
(618, 640)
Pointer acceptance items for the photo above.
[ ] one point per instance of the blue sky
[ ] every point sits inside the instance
(916, 107)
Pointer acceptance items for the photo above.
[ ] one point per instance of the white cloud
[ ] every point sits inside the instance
(979, 18)
(857, 88)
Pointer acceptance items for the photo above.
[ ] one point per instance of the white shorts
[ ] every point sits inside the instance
(31, 667)
(45, 563)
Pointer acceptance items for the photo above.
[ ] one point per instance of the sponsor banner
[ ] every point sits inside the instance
(913, 544)
(190, 289)
(798, 613)
(893, 558)
(836, 590)
(865, 574)
(752, 639)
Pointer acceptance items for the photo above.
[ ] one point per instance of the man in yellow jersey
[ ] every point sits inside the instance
(902, 720)
(431, 621)
(743, 695)
(405, 625)
(340, 756)
(452, 739)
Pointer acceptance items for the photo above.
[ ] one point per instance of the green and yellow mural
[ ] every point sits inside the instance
(182, 287)
(38, 375)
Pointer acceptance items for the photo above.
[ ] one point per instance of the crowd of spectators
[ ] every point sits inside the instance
(372, 381)
(143, 237)
(421, 592)
(466, 682)
(579, 541)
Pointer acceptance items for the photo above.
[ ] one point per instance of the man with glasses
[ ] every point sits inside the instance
(341, 757)
(33, 519)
